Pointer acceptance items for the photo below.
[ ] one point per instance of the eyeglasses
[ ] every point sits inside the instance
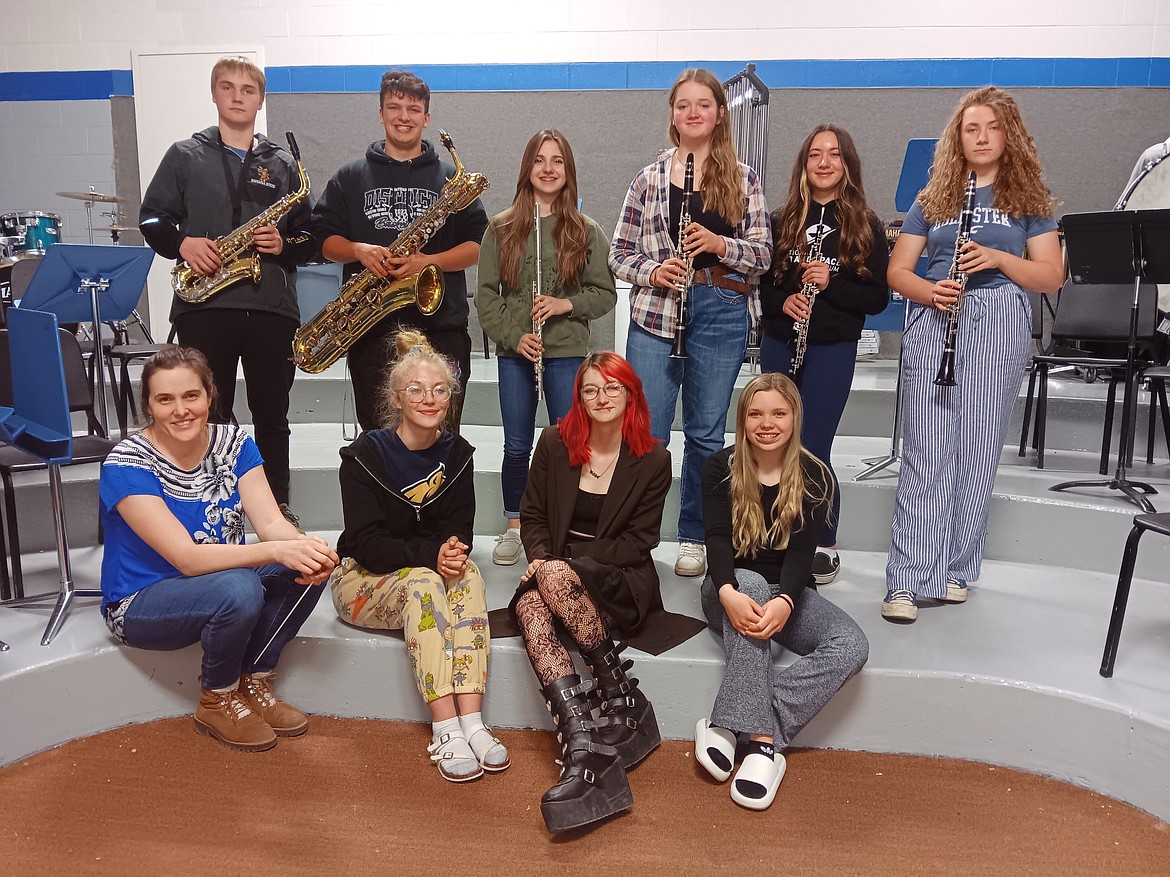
(613, 389)
(415, 393)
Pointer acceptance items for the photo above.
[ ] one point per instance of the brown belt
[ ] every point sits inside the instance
(720, 276)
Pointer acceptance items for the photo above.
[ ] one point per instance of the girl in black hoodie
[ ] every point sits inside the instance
(407, 495)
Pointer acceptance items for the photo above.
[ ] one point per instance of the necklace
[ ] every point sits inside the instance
(598, 475)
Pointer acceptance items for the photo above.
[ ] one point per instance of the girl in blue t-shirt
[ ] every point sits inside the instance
(176, 570)
(953, 435)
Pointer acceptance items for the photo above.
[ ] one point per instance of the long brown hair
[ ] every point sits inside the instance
(1019, 180)
(514, 225)
(790, 219)
(748, 533)
(723, 186)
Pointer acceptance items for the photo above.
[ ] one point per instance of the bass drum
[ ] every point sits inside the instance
(1150, 191)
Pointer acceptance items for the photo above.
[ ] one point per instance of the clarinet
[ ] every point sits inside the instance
(946, 369)
(538, 325)
(678, 350)
(809, 291)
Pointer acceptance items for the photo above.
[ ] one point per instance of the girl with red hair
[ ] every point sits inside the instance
(592, 511)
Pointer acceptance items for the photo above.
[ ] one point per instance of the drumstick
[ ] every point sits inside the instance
(280, 626)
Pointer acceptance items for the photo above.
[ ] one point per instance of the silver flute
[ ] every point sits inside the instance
(809, 291)
(538, 325)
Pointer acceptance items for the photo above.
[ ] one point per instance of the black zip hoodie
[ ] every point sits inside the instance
(373, 199)
(384, 531)
(189, 197)
(840, 310)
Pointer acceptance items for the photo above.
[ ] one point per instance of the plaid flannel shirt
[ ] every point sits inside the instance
(643, 240)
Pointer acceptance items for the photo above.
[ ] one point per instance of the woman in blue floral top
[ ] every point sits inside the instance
(176, 570)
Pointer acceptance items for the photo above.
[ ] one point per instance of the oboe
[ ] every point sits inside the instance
(538, 325)
(946, 369)
(678, 349)
(809, 291)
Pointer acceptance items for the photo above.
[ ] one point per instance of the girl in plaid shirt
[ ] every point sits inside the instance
(730, 241)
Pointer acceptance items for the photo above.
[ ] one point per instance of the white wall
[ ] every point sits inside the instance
(100, 34)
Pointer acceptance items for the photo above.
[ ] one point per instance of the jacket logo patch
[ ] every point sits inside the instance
(263, 178)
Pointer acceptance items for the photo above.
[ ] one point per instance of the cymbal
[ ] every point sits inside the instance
(96, 197)
(118, 228)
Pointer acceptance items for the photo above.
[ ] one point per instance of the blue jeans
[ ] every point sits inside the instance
(716, 341)
(233, 613)
(824, 379)
(517, 384)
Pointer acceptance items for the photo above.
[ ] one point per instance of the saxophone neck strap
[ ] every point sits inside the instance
(235, 187)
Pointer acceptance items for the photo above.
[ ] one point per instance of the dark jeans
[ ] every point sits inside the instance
(518, 409)
(825, 378)
(262, 342)
(233, 613)
(369, 364)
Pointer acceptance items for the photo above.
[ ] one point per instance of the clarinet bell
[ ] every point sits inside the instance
(946, 370)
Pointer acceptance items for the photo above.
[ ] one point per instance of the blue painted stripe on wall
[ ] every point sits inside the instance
(611, 76)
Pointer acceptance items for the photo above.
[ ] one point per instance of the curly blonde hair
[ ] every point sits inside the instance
(748, 533)
(1019, 182)
(723, 186)
(412, 349)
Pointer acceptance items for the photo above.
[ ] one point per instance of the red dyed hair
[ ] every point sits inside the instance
(576, 426)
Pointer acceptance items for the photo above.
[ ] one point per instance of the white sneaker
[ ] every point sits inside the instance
(691, 560)
(508, 548)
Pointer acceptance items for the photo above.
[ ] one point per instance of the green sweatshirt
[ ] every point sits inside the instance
(505, 313)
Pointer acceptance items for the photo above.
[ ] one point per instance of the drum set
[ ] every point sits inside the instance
(27, 234)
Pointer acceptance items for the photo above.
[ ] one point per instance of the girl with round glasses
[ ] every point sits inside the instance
(576, 287)
(592, 512)
(407, 495)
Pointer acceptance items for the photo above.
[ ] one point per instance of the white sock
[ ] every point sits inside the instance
(486, 748)
(462, 761)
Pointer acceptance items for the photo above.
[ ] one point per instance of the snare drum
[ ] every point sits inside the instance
(34, 232)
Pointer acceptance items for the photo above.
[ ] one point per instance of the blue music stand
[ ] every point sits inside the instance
(71, 280)
(915, 175)
(40, 424)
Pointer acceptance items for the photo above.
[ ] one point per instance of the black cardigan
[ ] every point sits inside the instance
(384, 532)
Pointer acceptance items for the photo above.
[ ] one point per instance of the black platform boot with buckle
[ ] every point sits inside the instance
(593, 783)
(633, 730)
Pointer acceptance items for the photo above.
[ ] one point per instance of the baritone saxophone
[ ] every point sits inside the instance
(366, 298)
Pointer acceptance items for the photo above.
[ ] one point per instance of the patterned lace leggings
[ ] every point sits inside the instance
(558, 596)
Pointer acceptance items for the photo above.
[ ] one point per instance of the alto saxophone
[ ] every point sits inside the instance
(946, 368)
(366, 298)
(538, 325)
(809, 291)
(237, 250)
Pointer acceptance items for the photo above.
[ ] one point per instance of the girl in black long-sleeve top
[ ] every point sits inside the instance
(765, 500)
(826, 197)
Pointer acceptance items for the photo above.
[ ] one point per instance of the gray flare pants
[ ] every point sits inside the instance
(758, 698)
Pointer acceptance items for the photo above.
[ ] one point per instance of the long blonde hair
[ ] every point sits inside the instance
(1019, 181)
(722, 187)
(748, 532)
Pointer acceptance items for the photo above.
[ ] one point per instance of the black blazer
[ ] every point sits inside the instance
(615, 567)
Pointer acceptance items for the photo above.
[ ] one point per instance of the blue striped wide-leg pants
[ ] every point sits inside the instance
(953, 437)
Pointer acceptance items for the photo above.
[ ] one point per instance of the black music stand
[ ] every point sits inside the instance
(71, 280)
(1118, 246)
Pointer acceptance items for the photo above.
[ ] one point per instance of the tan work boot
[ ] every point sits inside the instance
(226, 716)
(285, 720)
